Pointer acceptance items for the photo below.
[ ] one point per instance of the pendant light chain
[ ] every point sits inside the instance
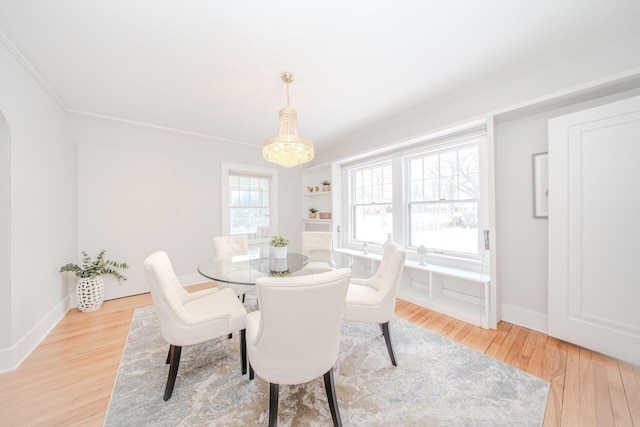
(288, 102)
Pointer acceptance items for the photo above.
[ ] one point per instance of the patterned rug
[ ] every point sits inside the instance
(437, 383)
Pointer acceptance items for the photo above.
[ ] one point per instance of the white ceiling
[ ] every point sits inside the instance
(213, 67)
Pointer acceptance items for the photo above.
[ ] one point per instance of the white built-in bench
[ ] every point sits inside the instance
(458, 293)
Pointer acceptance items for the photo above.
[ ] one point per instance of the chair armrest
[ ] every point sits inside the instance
(253, 327)
(192, 319)
(201, 293)
(363, 282)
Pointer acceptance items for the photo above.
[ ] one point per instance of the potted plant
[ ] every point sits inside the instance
(312, 213)
(90, 287)
(279, 245)
(326, 185)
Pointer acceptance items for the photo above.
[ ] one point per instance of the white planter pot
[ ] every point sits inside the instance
(89, 293)
(279, 251)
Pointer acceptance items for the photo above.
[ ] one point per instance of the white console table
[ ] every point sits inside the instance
(462, 294)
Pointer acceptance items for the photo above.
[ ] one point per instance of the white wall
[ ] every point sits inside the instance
(42, 234)
(160, 190)
(5, 234)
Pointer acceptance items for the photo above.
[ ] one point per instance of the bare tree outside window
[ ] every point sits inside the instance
(372, 193)
(444, 199)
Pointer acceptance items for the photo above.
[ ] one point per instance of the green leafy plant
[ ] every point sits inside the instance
(313, 210)
(279, 241)
(274, 273)
(99, 267)
(326, 182)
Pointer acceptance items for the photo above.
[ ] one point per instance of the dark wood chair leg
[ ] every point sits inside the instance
(174, 351)
(251, 373)
(273, 404)
(230, 336)
(243, 298)
(168, 355)
(243, 350)
(330, 387)
(387, 340)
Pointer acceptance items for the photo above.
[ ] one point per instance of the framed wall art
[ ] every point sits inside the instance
(541, 185)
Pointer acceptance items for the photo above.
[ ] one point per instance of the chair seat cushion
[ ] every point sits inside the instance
(224, 301)
(360, 294)
(363, 305)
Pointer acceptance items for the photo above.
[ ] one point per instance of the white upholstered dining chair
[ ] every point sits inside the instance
(317, 246)
(188, 318)
(373, 300)
(229, 246)
(295, 337)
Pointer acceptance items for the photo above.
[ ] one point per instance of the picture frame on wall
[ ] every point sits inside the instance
(541, 185)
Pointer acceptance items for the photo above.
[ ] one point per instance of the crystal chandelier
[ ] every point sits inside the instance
(287, 148)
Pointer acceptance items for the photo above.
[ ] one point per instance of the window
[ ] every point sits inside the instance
(433, 193)
(372, 213)
(249, 200)
(443, 199)
(248, 203)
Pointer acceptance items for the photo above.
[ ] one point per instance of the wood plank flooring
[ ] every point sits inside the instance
(67, 380)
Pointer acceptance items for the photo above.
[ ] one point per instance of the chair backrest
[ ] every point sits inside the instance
(225, 246)
(389, 272)
(316, 240)
(169, 296)
(299, 332)
(317, 246)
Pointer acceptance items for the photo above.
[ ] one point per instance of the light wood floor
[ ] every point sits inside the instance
(67, 380)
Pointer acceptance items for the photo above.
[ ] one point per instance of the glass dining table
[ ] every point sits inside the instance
(246, 269)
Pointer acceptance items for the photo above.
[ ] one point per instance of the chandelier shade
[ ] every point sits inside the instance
(287, 148)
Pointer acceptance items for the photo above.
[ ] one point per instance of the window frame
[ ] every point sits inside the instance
(401, 181)
(228, 169)
(407, 203)
(352, 195)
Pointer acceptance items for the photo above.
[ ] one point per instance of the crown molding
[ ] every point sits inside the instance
(158, 127)
(31, 70)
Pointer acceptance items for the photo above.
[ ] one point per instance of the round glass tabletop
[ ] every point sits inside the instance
(245, 269)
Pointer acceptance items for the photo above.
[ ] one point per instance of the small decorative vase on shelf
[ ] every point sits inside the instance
(422, 251)
(312, 215)
(90, 293)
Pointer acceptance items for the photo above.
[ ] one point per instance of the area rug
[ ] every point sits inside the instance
(437, 383)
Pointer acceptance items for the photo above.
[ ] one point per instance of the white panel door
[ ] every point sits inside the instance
(594, 229)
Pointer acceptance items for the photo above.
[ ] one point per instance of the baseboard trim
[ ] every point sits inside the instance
(527, 318)
(12, 357)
